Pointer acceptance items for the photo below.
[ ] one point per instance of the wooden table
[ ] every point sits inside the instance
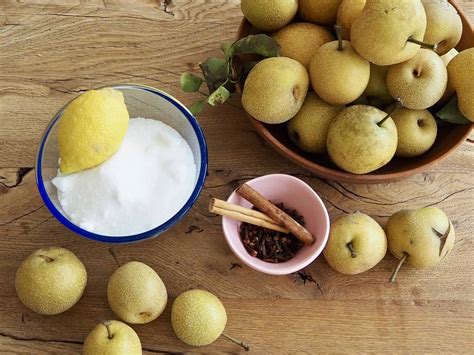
(50, 51)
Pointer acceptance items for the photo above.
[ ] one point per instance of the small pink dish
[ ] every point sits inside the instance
(295, 194)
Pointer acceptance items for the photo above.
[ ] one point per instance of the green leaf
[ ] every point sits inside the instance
(219, 96)
(257, 44)
(228, 50)
(190, 82)
(197, 107)
(215, 71)
(450, 113)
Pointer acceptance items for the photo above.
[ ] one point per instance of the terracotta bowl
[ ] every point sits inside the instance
(449, 138)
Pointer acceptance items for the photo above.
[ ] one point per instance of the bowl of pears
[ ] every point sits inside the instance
(362, 91)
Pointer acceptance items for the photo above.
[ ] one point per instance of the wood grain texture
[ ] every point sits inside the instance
(52, 50)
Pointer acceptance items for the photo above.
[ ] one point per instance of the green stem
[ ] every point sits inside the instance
(351, 248)
(395, 272)
(433, 47)
(338, 30)
(245, 346)
(107, 324)
(398, 104)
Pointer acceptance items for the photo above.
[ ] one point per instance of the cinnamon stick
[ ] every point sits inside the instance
(243, 214)
(275, 213)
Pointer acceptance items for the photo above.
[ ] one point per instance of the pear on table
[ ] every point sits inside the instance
(50, 280)
(420, 238)
(356, 244)
(112, 338)
(199, 318)
(136, 293)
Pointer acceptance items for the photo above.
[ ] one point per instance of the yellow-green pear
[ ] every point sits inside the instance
(449, 92)
(136, 293)
(356, 244)
(308, 129)
(420, 81)
(198, 318)
(348, 11)
(338, 74)
(50, 280)
(275, 90)
(361, 139)
(383, 31)
(376, 91)
(301, 40)
(323, 12)
(269, 15)
(112, 338)
(443, 25)
(417, 131)
(461, 74)
(420, 237)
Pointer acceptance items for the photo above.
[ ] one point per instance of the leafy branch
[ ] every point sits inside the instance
(220, 74)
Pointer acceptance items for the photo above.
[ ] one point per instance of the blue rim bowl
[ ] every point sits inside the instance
(200, 154)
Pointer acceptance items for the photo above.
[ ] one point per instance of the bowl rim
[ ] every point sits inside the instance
(154, 232)
(338, 174)
(270, 268)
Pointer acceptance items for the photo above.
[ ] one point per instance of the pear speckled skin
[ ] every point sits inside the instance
(461, 74)
(357, 144)
(443, 25)
(275, 90)
(309, 128)
(50, 280)
(348, 11)
(376, 91)
(417, 131)
(449, 92)
(124, 340)
(323, 12)
(338, 77)
(381, 31)
(136, 293)
(420, 81)
(301, 40)
(198, 317)
(269, 15)
(411, 232)
(368, 240)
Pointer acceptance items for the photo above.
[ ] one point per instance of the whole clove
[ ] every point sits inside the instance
(269, 245)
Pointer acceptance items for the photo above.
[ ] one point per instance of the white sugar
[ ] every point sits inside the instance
(145, 183)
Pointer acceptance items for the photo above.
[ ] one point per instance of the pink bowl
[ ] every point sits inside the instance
(295, 194)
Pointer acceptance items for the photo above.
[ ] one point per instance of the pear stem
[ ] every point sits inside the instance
(107, 324)
(112, 252)
(351, 248)
(245, 346)
(398, 104)
(433, 47)
(338, 30)
(395, 272)
(46, 258)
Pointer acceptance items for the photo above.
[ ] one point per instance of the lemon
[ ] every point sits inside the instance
(91, 129)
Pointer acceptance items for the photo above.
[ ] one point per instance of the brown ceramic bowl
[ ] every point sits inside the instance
(449, 138)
